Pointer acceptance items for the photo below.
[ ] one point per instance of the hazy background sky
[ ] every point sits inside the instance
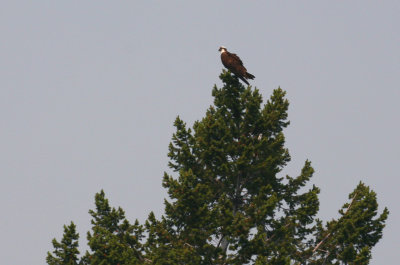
(89, 91)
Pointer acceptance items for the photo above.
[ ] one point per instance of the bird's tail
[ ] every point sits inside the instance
(249, 76)
(244, 80)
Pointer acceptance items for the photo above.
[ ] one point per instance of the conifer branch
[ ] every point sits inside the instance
(271, 237)
(187, 244)
(329, 234)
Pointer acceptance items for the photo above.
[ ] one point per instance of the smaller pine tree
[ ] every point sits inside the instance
(65, 252)
(113, 239)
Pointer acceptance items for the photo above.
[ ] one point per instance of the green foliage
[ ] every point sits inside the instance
(65, 252)
(228, 203)
(113, 239)
(358, 229)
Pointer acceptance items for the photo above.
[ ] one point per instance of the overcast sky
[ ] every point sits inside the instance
(89, 91)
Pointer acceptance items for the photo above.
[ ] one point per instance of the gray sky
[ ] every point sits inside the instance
(89, 91)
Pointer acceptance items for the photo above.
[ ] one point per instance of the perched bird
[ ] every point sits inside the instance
(233, 63)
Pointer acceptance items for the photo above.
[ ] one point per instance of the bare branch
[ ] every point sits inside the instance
(329, 234)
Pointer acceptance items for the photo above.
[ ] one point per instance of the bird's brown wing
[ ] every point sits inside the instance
(236, 58)
(234, 64)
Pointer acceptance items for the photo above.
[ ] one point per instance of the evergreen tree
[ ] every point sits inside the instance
(229, 203)
(65, 252)
(113, 239)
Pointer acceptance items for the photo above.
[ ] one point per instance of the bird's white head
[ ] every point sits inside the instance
(222, 49)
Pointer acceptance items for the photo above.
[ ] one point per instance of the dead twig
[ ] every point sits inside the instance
(329, 234)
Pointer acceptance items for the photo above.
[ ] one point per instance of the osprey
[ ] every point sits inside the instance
(234, 64)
